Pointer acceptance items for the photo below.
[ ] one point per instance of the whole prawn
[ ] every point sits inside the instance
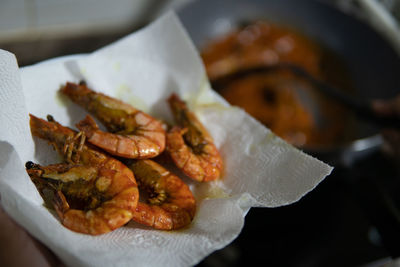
(170, 204)
(132, 133)
(91, 192)
(190, 145)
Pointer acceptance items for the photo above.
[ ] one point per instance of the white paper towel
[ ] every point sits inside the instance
(144, 68)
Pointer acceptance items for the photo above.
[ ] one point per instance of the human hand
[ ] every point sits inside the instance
(19, 248)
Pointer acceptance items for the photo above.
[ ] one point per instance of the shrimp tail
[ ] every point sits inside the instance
(176, 104)
(78, 93)
(88, 126)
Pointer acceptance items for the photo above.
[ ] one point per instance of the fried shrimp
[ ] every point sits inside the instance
(91, 192)
(132, 133)
(190, 145)
(170, 204)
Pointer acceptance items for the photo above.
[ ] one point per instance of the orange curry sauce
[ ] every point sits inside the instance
(272, 98)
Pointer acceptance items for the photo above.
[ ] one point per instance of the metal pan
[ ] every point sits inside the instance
(370, 60)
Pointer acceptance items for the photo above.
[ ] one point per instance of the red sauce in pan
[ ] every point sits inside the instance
(275, 98)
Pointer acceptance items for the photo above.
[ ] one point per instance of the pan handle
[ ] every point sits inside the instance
(360, 107)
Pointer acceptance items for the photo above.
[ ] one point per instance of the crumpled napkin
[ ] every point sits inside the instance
(143, 69)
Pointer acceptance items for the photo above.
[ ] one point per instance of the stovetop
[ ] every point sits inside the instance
(349, 219)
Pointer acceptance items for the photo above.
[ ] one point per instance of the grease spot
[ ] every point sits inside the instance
(268, 138)
(200, 97)
(117, 66)
(61, 100)
(124, 92)
(210, 190)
